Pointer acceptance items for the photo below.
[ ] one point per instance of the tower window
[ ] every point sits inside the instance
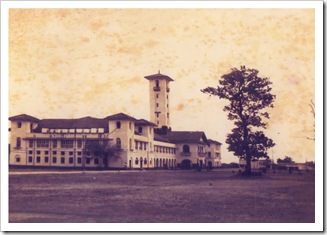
(18, 142)
(157, 104)
(157, 95)
(19, 125)
(140, 129)
(167, 115)
(157, 83)
(118, 143)
(118, 125)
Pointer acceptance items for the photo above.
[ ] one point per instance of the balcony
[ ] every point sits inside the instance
(156, 88)
(185, 154)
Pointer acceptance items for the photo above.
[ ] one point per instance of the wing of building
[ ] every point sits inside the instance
(121, 141)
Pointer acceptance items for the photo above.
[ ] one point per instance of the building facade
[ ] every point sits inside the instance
(134, 143)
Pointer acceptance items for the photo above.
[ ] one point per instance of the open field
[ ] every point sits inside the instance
(161, 196)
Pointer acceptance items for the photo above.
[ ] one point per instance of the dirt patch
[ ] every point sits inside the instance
(161, 196)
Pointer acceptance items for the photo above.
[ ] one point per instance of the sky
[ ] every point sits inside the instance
(72, 63)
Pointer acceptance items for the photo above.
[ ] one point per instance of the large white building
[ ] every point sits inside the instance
(141, 143)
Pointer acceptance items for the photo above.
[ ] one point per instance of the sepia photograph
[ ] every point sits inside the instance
(152, 116)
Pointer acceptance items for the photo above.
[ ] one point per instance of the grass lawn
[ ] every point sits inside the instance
(219, 196)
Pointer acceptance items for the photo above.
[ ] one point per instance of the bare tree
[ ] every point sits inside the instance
(313, 111)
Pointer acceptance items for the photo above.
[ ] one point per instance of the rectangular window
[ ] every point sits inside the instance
(79, 160)
(96, 161)
(46, 152)
(88, 161)
(54, 143)
(30, 152)
(30, 159)
(79, 153)
(67, 143)
(54, 160)
(62, 153)
(62, 160)
(38, 152)
(79, 144)
(136, 145)
(54, 152)
(17, 159)
(141, 145)
(42, 143)
(71, 160)
(38, 159)
(144, 146)
(30, 143)
(46, 159)
(71, 153)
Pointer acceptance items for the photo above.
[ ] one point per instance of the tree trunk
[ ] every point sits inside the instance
(105, 162)
(248, 165)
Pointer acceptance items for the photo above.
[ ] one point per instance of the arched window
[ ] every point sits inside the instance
(118, 143)
(136, 161)
(130, 125)
(186, 148)
(18, 142)
(130, 144)
(157, 83)
(145, 161)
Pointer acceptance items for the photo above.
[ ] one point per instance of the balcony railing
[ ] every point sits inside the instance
(156, 88)
(186, 154)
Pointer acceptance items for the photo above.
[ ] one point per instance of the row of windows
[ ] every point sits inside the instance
(157, 161)
(62, 160)
(201, 149)
(161, 149)
(46, 143)
(141, 145)
(91, 130)
(63, 153)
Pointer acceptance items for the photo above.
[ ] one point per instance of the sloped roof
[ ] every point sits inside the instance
(80, 123)
(161, 138)
(158, 76)
(187, 137)
(213, 142)
(143, 122)
(120, 116)
(23, 117)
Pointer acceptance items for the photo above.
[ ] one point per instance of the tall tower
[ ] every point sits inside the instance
(159, 99)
